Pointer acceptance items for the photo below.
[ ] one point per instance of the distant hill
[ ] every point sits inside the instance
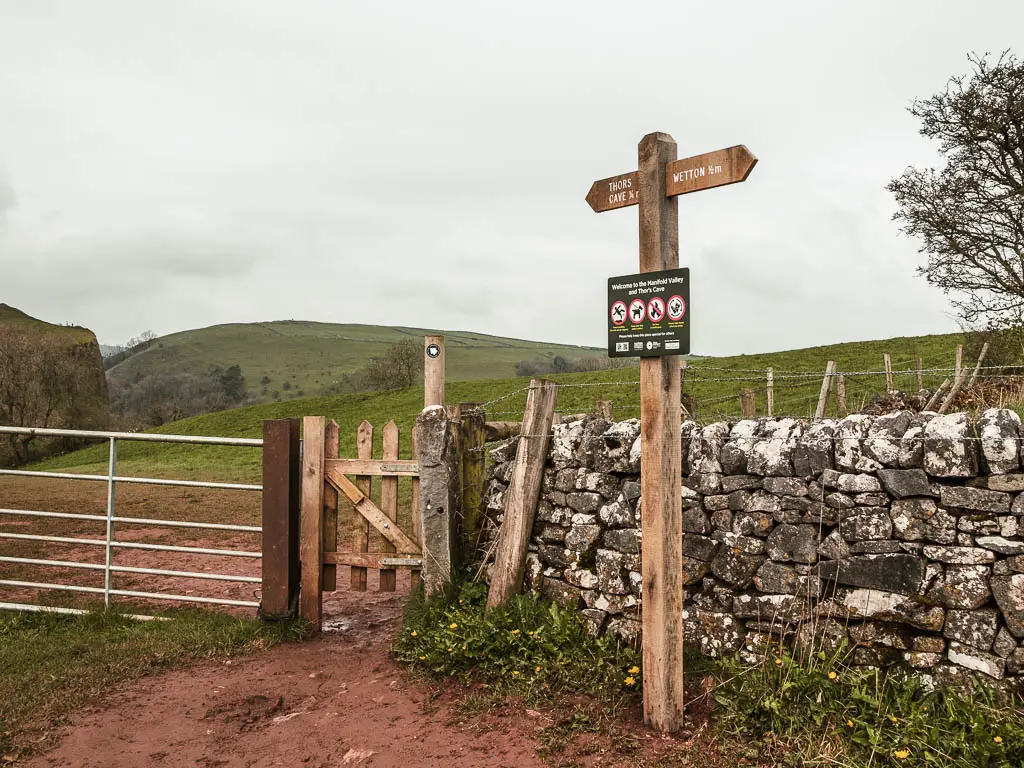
(308, 358)
(714, 384)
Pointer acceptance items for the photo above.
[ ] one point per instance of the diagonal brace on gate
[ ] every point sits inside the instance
(365, 507)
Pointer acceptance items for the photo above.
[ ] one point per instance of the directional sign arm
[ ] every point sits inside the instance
(713, 169)
(614, 192)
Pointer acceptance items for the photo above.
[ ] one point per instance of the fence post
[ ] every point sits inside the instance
(523, 493)
(887, 360)
(841, 395)
(311, 548)
(433, 370)
(748, 405)
(603, 408)
(438, 502)
(826, 384)
(920, 374)
(770, 391)
(280, 520)
(473, 471)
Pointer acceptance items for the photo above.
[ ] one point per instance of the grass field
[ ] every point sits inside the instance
(715, 384)
(308, 357)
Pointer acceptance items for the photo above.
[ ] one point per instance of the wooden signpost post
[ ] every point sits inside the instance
(660, 178)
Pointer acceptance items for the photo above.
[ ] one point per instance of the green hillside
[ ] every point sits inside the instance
(305, 357)
(713, 383)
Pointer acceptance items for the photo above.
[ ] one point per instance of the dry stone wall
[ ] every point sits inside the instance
(902, 534)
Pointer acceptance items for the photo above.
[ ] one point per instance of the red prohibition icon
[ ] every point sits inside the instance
(618, 313)
(656, 309)
(637, 311)
(676, 308)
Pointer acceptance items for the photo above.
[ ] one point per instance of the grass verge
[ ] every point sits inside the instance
(777, 711)
(52, 665)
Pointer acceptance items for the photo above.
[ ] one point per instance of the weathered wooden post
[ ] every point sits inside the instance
(661, 460)
(331, 437)
(887, 362)
(473, 471)
(748, 403)
(770, 392)
(433, 370)
(438, 497)
(523, 493)
(657, 330)
(280, 519)
(826, 385)
(603, 408)
(311, 547)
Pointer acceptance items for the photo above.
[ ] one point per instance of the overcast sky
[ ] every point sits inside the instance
(170, 165)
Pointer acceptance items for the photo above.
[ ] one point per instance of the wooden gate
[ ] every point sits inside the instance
(343, 524)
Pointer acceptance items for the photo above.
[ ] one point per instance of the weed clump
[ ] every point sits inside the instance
(531, 645)
(818, 711)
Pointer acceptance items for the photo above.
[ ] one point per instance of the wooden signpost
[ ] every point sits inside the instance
(654, 186)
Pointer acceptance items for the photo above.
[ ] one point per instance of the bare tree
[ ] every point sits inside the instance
(970, 214)
(401, 366)
(43, 383)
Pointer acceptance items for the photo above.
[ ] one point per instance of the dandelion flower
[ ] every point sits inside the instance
(778, 662)
(536, 669)
(414, 633)
(893, 718)
(450, 650)
(515, 673)
(901, 754)
(849, 723)
(453, 625)
(515, 631)
(634, 670)
(998, 739)
(630, 681)
(423, 658)
(832, 675)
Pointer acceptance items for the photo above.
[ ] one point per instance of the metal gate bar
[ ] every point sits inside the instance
(110, 519)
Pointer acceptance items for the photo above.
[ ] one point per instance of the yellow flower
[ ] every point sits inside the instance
(998, 739)
(515, 631)
(423, 658)
(634, 670)
(901, 754)
(453, 625)
(778, 662)
(450, 650)
(630, 681)
(832, 675)
(893, 718)
(849, 723)
(460, 602)
(515, 673)
(537, 669)
(414, 633)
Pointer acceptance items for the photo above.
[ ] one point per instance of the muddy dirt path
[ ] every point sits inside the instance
(334, 701)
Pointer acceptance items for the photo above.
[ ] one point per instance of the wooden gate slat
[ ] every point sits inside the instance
(415, 575)
(332, 435)
(389, 502)
(364, 450)
(372, 512)
(311, 551)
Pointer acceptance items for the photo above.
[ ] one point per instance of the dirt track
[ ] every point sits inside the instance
(337, 700)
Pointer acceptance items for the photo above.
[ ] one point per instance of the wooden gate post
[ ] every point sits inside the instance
(433, 370)
(280, 519)
(311, 548)
(473, 471)
(661, 461)
(438, 497)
